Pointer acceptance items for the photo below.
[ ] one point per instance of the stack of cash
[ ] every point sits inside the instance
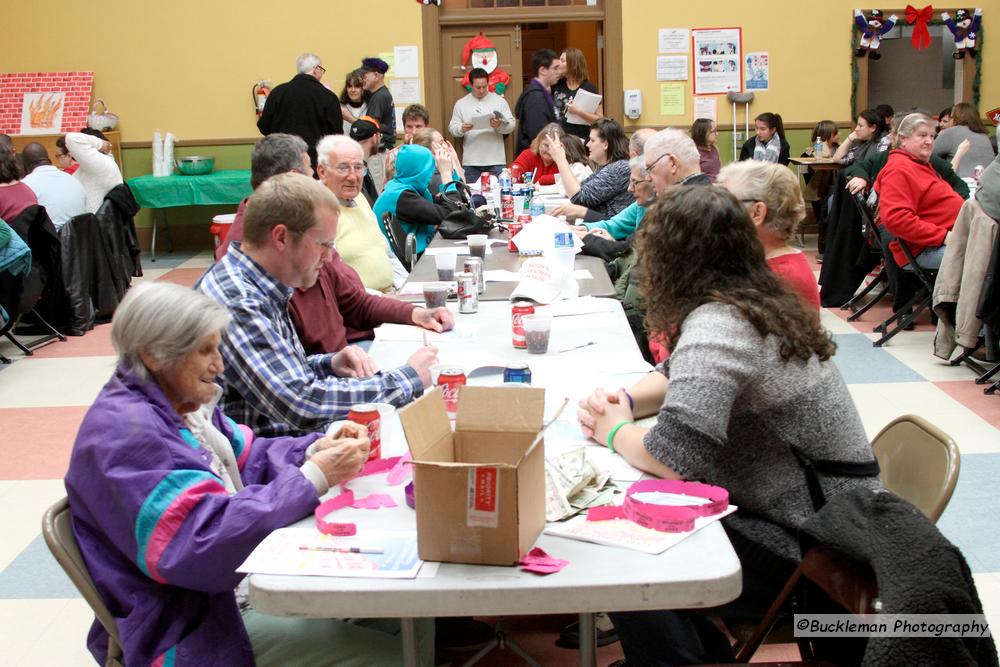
(572, 484)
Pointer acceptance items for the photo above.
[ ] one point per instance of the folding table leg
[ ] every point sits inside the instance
(411, 651)
(588, 640)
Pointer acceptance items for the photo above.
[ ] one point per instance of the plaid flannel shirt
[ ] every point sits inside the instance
(270, 384)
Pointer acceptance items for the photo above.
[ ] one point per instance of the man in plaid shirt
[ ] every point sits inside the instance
(271, 385)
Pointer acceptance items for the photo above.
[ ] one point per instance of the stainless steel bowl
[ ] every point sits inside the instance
(195, 165)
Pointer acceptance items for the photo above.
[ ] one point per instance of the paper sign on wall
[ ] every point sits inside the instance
(672, 99)
(717, 62)
(758, 70)
(405, 61)
(671, 68)
(704, 107)
(405, 91)
(390, 58)
(673, 40)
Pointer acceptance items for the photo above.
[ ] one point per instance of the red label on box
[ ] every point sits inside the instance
(483, 498)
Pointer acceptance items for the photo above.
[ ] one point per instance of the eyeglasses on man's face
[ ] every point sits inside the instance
(636, 182)
(320, 69)
(345, 168)
(649, 167)
(330, 244)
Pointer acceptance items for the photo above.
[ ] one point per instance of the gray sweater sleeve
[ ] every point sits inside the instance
(603, 186)
(714, 359)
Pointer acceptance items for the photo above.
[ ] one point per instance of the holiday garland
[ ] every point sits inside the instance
(855, 74)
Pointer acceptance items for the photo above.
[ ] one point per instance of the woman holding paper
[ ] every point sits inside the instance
(750, 389)
(566, 91)
(169, 497)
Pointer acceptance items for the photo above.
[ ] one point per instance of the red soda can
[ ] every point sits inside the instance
(449, 381)
(518, 311)
(515, 173)
(524, 219)
(506, 205)
(484, 182)
(368, 416)
(512, 229)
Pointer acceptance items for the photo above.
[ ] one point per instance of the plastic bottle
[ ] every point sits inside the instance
(505, 180)
(818, 148)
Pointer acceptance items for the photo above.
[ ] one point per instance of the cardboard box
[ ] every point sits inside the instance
(479, 499)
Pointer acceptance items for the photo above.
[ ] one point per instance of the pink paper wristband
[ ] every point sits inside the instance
(665, 518)
(346, 499)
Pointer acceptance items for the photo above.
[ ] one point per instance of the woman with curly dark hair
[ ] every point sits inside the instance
(748, 391)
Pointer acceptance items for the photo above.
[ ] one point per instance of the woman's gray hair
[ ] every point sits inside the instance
(332, 142)
(639, 163)
(164, 321)
(307, 62)
(909, 125)
(771, 184)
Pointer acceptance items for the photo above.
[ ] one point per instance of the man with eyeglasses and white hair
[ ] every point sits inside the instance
(303, 106)
(672, 158)
(271, 383)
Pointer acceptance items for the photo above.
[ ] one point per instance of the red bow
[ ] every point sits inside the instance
(921, 38)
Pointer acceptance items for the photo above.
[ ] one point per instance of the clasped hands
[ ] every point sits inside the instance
(599, 412)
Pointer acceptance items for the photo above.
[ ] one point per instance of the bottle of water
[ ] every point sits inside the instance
(818, 148)
(505, 180)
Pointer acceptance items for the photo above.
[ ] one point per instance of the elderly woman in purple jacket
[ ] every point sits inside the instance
(169, 496)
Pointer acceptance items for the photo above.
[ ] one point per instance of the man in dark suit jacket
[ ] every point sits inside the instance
(303, 106)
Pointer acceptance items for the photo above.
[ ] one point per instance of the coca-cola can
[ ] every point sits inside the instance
(512, 229)
(474, 265)
(517, 311)
(450, 380)
(506, 205)
(468, 293)
(484, 182)
(368, 416)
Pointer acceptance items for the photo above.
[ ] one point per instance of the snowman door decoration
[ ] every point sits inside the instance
(964, 28)
(482, 53)
(872, 28)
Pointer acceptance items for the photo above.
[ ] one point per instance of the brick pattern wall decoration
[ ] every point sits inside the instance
(76, 85)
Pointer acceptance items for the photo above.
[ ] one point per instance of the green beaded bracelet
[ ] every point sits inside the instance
(613, 432)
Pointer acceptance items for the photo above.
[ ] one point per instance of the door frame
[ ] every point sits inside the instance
(433, 17)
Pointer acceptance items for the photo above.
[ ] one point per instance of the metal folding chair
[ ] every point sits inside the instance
(881, 279)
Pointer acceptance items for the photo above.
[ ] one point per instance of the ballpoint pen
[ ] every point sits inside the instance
(577, 347)
(343, 550)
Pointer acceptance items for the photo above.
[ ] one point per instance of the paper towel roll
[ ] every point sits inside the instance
(157, 154)
(168, 154)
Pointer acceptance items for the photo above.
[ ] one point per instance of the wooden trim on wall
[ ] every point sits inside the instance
(521, 15)
(614, 78)
(231, 141)
(433, 85)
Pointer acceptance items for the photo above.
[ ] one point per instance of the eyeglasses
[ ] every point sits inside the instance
(330, 245)
(649, 167)
(635, 183)
(343, 168)
(322, 70)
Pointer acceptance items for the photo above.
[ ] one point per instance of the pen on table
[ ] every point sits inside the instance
(425, 337)
(577, 347)
(343, 550)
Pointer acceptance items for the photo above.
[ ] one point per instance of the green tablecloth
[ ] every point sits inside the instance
(221, 187)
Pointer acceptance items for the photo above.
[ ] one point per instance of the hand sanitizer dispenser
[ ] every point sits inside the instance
(633, 103)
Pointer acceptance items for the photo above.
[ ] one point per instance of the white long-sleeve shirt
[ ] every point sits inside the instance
(482, 148)
(98, 173)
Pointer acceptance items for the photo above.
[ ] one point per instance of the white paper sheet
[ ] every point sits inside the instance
(671, 68)
(705, 107)
(405, 91)
(306, 551)
(673, 40)
(405, 61)
(587, 101)
(481, 122)
(463, 331)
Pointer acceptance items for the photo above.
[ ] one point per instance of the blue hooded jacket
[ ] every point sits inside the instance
(414, 168)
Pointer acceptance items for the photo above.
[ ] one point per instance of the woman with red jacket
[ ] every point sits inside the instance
(916, 205)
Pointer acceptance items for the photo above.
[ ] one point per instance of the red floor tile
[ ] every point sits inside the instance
(36, 442)
(185, 277)
(96, 342)
(971, 395)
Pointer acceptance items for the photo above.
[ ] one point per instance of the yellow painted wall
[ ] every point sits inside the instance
(809, 46)
(187, 66)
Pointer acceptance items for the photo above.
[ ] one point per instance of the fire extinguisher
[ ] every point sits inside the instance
(259, 92)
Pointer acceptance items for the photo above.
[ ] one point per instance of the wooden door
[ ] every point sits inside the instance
(453, 39)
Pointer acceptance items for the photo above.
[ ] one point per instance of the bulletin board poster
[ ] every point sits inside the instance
(717, 60)
(757, 71)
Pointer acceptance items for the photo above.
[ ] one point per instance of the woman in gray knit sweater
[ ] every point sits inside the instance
(749, 378)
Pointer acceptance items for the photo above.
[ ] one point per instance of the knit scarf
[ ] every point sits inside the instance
(768, 152)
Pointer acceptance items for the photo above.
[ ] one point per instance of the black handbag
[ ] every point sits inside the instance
(461, 220)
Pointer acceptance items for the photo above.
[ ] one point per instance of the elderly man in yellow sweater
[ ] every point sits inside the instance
(341, 168)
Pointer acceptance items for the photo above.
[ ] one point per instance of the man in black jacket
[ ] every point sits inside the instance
(536, 107)
(303, 106)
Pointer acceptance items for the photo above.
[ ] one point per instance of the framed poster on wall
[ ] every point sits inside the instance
(717, 60)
